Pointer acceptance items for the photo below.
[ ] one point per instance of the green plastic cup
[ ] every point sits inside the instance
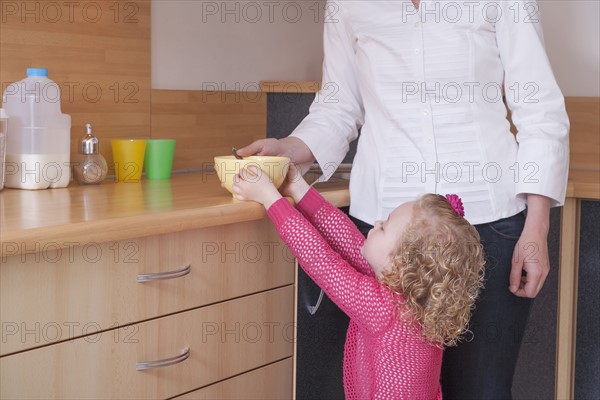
(158, 160)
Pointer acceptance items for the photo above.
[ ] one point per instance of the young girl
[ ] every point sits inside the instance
(408, 288)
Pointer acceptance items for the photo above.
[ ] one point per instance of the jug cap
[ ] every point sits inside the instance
(89, 143)
(37, 72)
(3, 114)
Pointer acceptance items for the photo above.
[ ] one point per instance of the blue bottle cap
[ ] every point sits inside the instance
(37, 72)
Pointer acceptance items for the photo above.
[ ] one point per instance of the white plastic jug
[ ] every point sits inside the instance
(39, 134)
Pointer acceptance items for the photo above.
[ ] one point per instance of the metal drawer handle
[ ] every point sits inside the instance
(164, 363)
(159, 276)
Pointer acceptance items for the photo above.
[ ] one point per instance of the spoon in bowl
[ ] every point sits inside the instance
(235, 154)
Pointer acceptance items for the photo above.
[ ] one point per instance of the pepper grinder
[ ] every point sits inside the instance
(89, 165)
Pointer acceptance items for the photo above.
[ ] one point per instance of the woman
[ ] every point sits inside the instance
(424, 84)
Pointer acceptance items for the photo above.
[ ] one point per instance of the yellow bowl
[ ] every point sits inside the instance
(228, 167)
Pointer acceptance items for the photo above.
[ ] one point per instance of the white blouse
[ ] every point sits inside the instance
(426, 87)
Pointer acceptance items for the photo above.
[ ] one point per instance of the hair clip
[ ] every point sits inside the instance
(456, 204)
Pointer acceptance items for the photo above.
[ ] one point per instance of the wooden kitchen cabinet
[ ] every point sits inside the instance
(78, 320)
(223, 340)
(106, 307)
(272, 382)
(61, 294)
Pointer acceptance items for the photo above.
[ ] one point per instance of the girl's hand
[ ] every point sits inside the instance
(252, 183)
(294, 185)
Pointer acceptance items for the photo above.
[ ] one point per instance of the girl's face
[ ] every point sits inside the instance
(384, 238)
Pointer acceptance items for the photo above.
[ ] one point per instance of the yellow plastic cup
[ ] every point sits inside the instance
(128, 157)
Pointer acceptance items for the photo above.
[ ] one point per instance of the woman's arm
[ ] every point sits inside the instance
(543, 136)
(335, 114)
(540, 117)
(337, 111)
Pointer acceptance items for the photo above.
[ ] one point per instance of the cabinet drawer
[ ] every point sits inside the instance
(51, 295)
(224, 340)
(271, 382)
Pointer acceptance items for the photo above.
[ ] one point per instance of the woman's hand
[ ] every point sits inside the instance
(530, 264)
(254, 184)
(294, 185)
(292, 147)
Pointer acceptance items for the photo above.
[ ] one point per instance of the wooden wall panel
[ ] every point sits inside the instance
(584, 173)
(97, 51)
(584, 114)
(207, 124)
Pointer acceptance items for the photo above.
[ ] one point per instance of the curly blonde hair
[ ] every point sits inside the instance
(438, 270)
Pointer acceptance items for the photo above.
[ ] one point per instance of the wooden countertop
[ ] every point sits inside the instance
(584, 184)
(33, 221)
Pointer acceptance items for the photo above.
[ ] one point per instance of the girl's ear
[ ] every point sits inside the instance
(389, 264)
